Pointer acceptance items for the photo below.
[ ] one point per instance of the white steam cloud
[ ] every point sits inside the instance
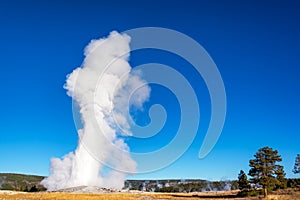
(101, 88)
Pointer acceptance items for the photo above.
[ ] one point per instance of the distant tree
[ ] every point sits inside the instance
(265, 170)
(243, 181)
(296, 169)
(33, 189)
(234, 185)
(293, 182)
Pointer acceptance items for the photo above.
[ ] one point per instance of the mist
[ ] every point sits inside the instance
(102, 89)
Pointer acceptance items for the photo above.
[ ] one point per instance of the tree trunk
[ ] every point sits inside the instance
(265, 192)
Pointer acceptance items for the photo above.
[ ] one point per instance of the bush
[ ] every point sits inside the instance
(293, 182)
(250, 193)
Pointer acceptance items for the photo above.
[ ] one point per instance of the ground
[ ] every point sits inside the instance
(10, 195)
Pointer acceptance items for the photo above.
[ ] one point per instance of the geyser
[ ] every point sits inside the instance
(102, 89)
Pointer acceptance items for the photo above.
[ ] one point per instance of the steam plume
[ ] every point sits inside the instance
(101, 88)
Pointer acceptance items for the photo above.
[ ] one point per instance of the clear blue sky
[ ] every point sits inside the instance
(255, 45)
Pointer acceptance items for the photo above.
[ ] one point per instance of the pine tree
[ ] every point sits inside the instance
(243, 181)
(297, 165)
(280, 177)
(265, 170)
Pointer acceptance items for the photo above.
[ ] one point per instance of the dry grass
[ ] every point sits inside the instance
(288, 194)
(117, 196)
(140, 196)
(283, 197)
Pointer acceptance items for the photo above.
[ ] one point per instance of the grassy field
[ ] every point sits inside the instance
(143, 196)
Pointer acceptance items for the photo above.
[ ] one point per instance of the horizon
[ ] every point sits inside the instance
(254, 44)
(167, 179)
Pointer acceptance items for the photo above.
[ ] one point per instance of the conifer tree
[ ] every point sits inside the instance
(265, 170)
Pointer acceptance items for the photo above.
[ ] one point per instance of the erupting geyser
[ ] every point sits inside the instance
(101, 89)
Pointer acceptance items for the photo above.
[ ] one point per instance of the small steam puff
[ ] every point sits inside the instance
(101, 88)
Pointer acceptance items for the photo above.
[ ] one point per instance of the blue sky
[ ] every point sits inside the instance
(255, 45)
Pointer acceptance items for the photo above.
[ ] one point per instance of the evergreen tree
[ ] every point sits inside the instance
(265, 170)
(243, 181)
(280, 177)
(297, 165)
(33, 189)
